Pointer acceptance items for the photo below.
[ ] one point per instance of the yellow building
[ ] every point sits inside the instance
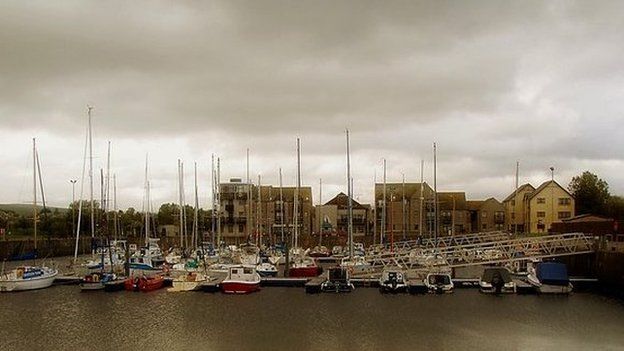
(548, 204)
(514, 209)
(532, 210)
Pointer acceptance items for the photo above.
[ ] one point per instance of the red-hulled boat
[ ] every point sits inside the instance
(131, 284)
(241, 280)
(304, 268)
(144, 284)
(147, 284)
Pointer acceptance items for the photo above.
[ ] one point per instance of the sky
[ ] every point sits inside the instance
(490, 82)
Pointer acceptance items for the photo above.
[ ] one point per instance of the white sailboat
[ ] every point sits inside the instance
(29, 277)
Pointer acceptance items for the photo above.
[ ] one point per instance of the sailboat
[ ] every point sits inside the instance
(148, 257)
(354, 263)
(302, 265)
(438, 280)
(29, 277)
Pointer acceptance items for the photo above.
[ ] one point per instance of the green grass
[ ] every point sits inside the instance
(26, 209)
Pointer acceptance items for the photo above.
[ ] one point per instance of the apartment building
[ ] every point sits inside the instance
(334, 217)
(486, 215)
(514, 209)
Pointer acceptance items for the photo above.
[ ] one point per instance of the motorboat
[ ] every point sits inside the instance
(188, 282)
(358, 249)
(393, 280)
(550, 278)
(114, 253)
(439, 283)
(27, 278)
(319, 251)
(144, 283)
(338, 281)
(148, 258)
(497, 280)
(356, 264)
(266, 269)
(302, 267)
(241, 280)
(96, 281)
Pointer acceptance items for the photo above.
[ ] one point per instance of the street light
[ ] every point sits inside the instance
(73, 206)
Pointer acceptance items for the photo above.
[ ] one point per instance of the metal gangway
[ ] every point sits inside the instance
(491, 252)
(445, 241)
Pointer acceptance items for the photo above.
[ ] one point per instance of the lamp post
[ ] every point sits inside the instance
(73, 206)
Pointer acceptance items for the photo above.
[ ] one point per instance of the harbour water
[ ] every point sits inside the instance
(63, 318)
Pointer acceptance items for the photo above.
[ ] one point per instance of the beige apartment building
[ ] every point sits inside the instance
(334, 217)
(248, 210)
(403, 211)
(514, 209)
(486, 215)
(534, 210)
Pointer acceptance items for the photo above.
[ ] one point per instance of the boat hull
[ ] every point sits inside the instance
(27, 284)
(151, 284)
(233, 287)
(392, 289)
(84, 286)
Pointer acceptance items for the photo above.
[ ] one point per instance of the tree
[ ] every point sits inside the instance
(615, 207)
(590, 193)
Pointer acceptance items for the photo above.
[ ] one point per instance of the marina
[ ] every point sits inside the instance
(63, 318)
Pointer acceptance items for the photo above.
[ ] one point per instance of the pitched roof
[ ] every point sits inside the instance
(588, 217)
(342, 201)
(544, 185)
(520, 188)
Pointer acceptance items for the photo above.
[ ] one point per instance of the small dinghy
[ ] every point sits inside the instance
(439, 283)
(338, 281)
(496, 280)
(393, 280)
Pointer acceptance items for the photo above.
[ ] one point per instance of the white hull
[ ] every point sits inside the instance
(27, 284)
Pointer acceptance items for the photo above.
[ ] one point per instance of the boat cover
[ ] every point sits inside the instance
(552, 273)
(490, 273)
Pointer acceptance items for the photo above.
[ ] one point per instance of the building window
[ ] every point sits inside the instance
(541, 214)
(513, 215)
(513, 202)
(564, 201)
(565, 214)
(484, 226)
(415, 226)
(541, 200)
(483, 214)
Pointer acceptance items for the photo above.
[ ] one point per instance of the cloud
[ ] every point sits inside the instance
(492, 83)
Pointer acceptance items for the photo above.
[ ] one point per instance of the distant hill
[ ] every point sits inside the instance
(26, 209)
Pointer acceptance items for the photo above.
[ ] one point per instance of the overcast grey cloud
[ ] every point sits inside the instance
(491, 82)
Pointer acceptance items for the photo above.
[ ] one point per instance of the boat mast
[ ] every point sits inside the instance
(115, 205)
(422, 198)
(213, 184)
(249, 224)
(196, 212)
(35, 192)
(435, 197)
(107, 193)
(180, 203)
(84, 161)
(259, 214)
(350, 202)
(218, 201)
(320, 212)
(183, 208)
(296, 200)
(90, 108)
(383, 207)
(516, 199)
(281, 195)
(146, 204)
(404, 220)
(374, 205)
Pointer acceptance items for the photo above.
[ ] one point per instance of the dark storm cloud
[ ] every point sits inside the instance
(492, 82)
